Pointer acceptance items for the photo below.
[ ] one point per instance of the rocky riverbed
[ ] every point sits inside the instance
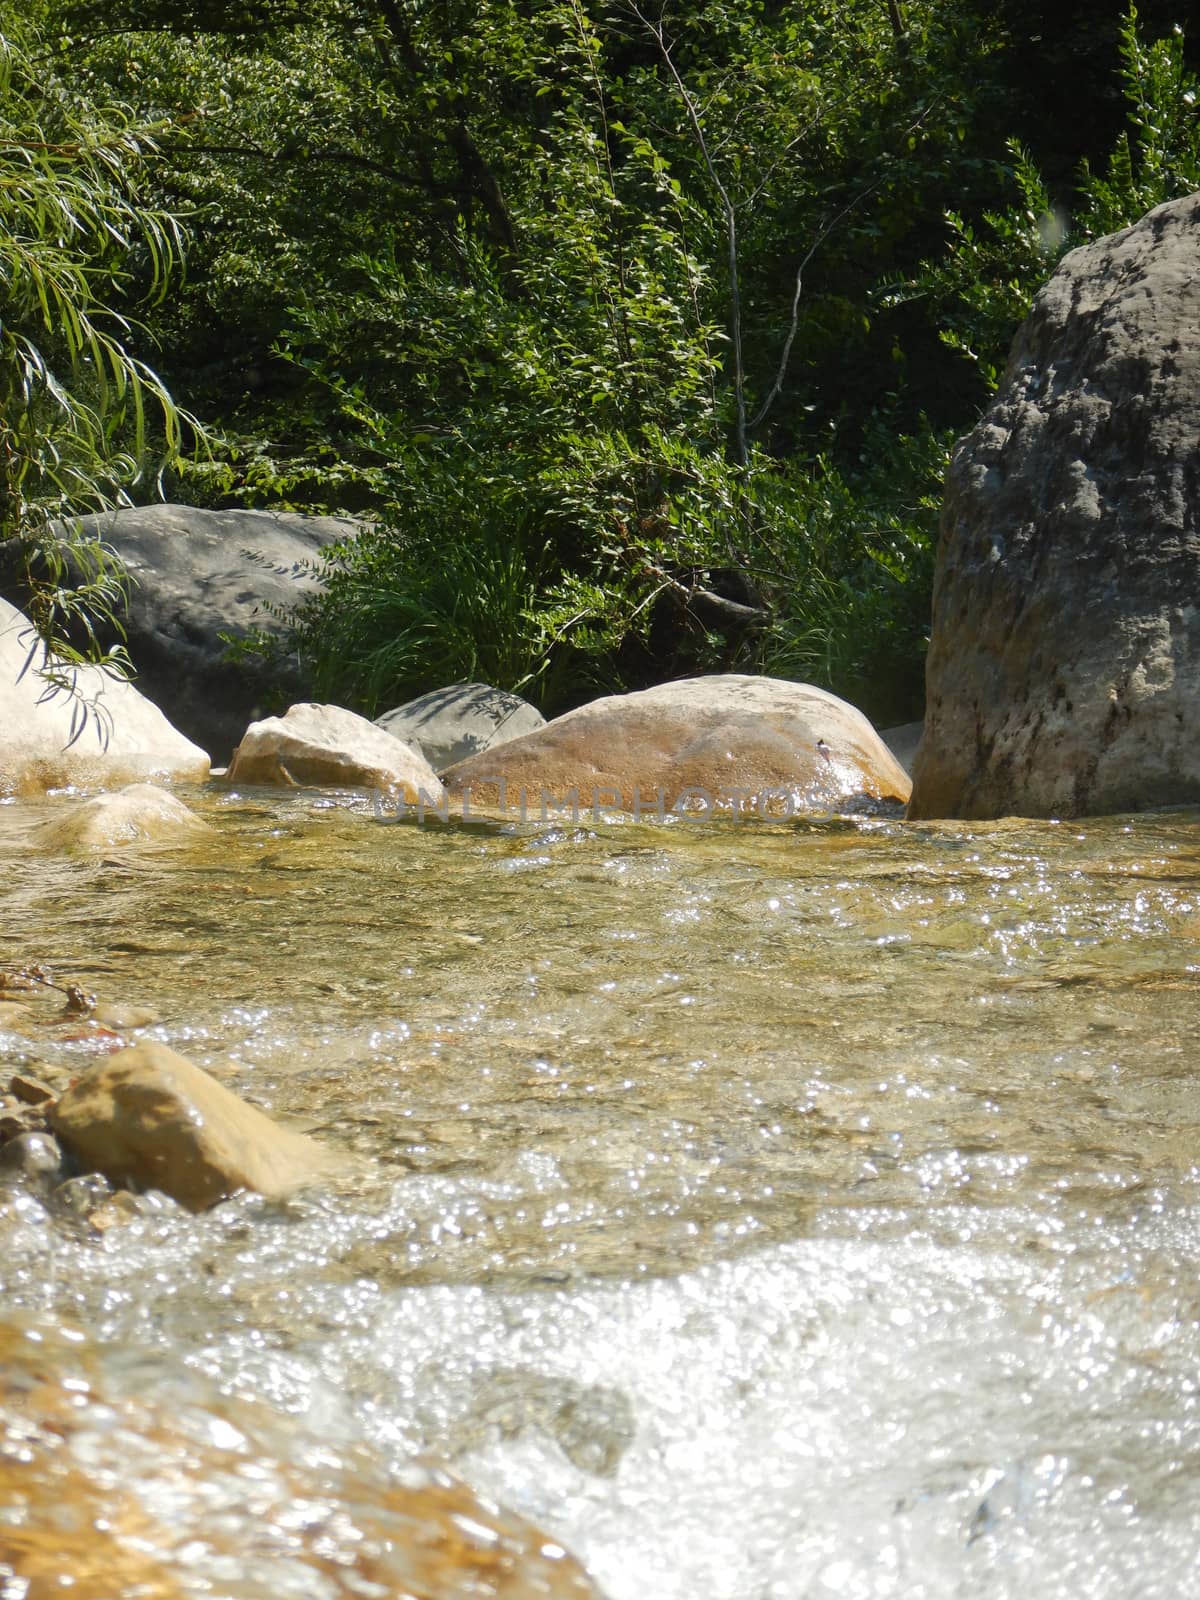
(748, 1209)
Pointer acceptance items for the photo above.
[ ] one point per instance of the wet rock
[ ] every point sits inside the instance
(103, 735)
(81, 1195)
(17, 1118)
(123, 1208)
(29, 1091)
(124, 1017)
(465, 719)
(327, 747)
(593, 1425)
(109, 1493)
(137, 814)
(34, 1158)
(14, 1016)
(150, 1119)
(719, 736)
(1065, 655)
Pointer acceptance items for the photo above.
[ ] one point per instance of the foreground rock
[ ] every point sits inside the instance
(103, 734)
(149, 1119)
(138, 814)
(169, 1489)
(199, 575)
(714, 739)
(1063, 674)
(448, 725)
(327, 747)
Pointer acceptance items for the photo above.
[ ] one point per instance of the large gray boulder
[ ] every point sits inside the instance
(198, 575)
(1063, 675)
(465, 719)
(96, 732)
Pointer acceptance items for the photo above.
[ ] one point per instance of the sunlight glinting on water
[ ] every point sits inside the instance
(765, 1212)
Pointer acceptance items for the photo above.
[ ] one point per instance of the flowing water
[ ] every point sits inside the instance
(763, 1210)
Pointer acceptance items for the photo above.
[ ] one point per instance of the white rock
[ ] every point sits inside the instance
(102, 735)
(329, 747)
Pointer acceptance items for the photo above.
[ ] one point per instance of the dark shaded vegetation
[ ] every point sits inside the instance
(640, 337)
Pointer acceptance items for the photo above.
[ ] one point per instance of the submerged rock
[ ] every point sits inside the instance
(173, 1492)
(116, 1015)
(328, 747)
(137, 814)
(103, 734)
(722, 737)
(14, 1014)
(1065, 655)
(465, 719)
(33, 1157)
(148, 1118)
(29, 1091)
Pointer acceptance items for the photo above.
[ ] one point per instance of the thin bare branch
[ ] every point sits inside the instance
(657, 32)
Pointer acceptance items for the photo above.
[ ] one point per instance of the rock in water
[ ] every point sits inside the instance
(465, 719)
(327, 747)
(150, 1119)
(1064, 670)
(719, 736)
(138, 814)
(169, 1489)
(104, 734)
(33, 1158)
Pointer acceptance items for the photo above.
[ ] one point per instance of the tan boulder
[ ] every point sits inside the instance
(137, 814)
(103, 734)
(329, 747)
(725, 740)
(150, 1119)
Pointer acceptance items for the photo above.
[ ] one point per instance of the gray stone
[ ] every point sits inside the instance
(1063, 675)
(198, 575)
(465, 719)
(902, 741)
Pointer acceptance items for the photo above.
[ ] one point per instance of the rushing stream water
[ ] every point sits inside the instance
(763, 1210)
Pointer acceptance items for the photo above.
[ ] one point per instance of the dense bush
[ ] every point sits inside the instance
(640, 342)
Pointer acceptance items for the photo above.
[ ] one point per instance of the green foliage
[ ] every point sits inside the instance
(984, 284)
(1158, 158)
(597, 315)
(846, 558)
(76, 405)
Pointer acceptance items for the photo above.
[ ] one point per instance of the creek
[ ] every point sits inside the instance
(764, 1210)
